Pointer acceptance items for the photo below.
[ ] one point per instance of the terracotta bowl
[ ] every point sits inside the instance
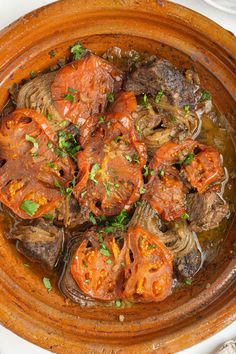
(188, 316)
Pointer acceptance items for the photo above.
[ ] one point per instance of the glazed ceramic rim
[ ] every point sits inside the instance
(224, 315)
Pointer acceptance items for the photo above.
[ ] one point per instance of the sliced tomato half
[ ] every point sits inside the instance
(166, 193)
(80, 88)
(140, 270)
(110, 166)
(32, 175)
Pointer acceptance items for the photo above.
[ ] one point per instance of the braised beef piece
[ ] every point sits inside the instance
(71, 214)
(39, 241)
(206, 210)
(158, 74)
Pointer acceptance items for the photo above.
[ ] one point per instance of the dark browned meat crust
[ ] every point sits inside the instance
(158, 74)
(206, 210)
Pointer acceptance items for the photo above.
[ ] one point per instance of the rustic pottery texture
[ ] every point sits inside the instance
(187, 39)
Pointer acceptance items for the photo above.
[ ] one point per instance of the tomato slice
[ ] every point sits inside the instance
(80, 88)
(148, 271)
(201, 163)
(98, 269)
(166, 193)
(31, 173)
(140, 270)
(204, 169)
(125, 103)
(110, 167)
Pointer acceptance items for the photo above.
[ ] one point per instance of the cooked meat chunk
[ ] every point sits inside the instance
(206, 210)
(36, 94)
(158, 74)
(39, 241)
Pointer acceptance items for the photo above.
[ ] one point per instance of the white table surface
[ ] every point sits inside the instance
(10, 11)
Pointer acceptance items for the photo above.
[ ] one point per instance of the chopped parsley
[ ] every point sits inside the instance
(59, 186)
(63, 123)
(142, 190)
(33, 74)
(102, 119)
(49, 116)
(47, 284)
(108, 188)
(48, 217)
(188, 281)
(77, 50)
(117, 222)
(144, 101)
(69, 97)
(186, 109)
(152, 173)
(118, 139)
(68, 144)
(92, 174)
(173, 119)
(152, 246)
(145, 171)
(188, 159)
(52, 53)
(72, 90)
(109, 261)
(110, 97)
(185, 216)
(92, 219)
(135, 158)
(118, 303)
(29, 207)
(161, 173)
(159, 96)
(49, 145)
(87, 281)
(34, 142)
(105, 252)
(128, 158)
(83, 194)
(205, 96)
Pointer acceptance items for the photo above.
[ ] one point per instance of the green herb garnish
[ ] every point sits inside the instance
(47, 284)
(118, 139)
(52, 53)
(29, 207)
(128, 158)
(72, 90)
(49, 145)
(159, 96)
(185, 216)
(145, 171)
(102, 119)
(48, 217)
(33, 74)
(109, 261)
(110, 97)
(69, 97)
(142, 190)
(144, 101)
(49, 116)
(188, 281)
(161, 173)
(107, 187)
(118, 303)
(105, 252)
(33, 141)
(205, 96)
(77, 50)
(186, 109)
(59, 186)
(188, 159)
(92, 219)
(92, 174)
(83, 194)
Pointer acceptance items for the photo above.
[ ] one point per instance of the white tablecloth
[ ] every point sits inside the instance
(10, 11)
